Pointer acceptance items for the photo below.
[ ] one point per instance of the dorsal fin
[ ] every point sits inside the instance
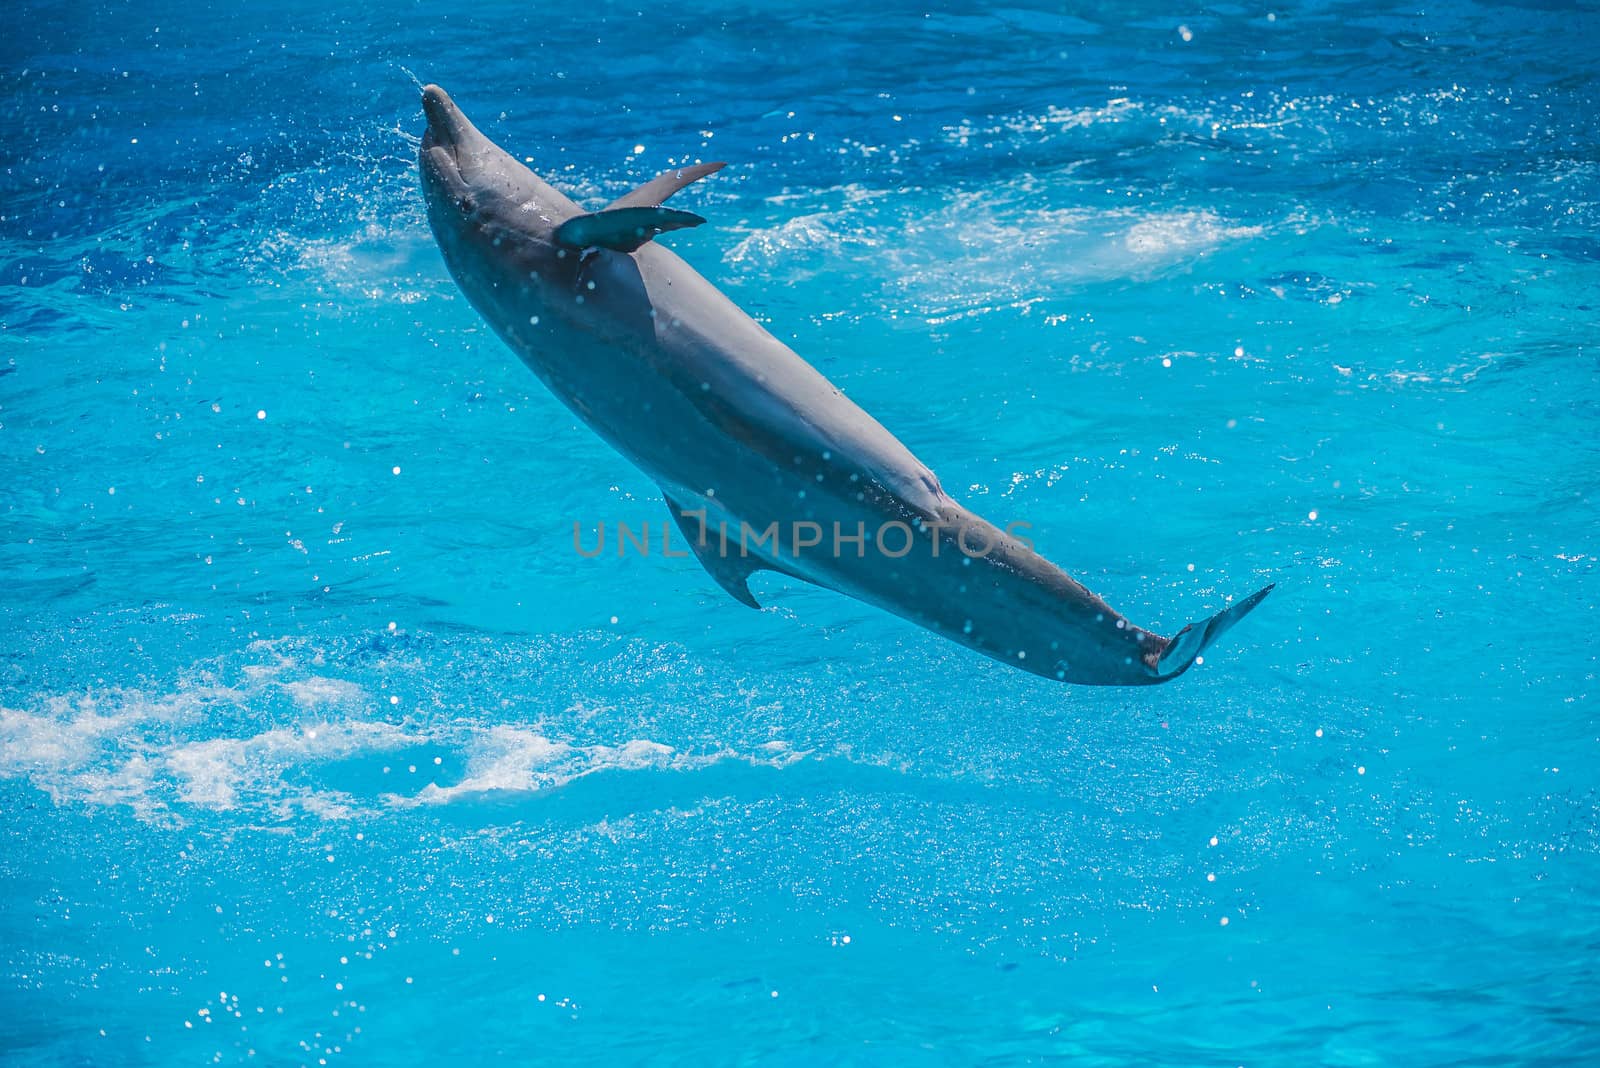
(622, 229)
(655, 192)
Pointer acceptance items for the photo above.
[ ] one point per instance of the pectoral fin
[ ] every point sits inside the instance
(622, 229)
(731, 570)
(655, 192)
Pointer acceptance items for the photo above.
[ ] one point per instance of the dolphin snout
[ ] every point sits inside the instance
(447, 127)
(437, 105)
(444, 118)
(440, 156)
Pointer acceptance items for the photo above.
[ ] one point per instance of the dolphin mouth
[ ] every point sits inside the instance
(447, 133)
(439, 164)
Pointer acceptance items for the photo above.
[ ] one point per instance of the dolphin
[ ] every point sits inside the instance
(764, 464)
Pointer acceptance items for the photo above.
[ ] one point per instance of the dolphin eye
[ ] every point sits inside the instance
(466, 203)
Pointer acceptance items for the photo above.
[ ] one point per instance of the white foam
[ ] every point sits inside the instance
(127, 747)
(517, 758)
(821, 234)
(318, 691)
(169, 757)
(71, 733)
(1184, 234)
(212, 773)
(956, 254)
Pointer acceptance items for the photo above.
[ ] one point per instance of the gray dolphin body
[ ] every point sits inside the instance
(743, 435)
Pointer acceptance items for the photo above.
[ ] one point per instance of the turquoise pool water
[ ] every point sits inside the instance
(319, 744)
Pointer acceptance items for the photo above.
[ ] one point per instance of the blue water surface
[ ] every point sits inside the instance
(320, 745)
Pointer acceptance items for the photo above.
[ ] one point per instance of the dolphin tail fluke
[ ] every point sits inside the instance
(1196, 638)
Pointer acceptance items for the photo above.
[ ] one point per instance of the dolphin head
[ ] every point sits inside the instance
(461, 168)
(474, 188)
(495, 220)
